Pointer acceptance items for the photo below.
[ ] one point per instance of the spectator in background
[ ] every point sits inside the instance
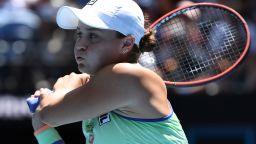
(155, 8)
(46, 10)
(244, 77)
(17, 21)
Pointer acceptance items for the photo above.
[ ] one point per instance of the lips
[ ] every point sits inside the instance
(79, 59)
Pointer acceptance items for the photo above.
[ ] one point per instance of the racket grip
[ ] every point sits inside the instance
(33, 103)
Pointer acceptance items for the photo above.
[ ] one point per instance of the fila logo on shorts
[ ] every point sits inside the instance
(91, 2)
(104, 119)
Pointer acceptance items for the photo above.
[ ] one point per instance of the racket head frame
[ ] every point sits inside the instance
(220, 75)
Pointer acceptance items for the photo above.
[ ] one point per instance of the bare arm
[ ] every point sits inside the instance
(114, 87)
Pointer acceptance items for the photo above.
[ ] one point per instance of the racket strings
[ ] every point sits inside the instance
(196, 43)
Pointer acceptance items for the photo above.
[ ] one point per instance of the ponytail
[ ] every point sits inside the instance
(148, 41)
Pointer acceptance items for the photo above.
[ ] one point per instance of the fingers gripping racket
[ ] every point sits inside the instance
(33, 102)
(196, 44)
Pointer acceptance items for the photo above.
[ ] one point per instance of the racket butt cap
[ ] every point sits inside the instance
(33, 102)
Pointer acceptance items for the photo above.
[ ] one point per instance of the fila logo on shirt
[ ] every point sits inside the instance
(104, 118)
(91, 2)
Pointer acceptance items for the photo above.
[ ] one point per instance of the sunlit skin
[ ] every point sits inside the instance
(96, 48)
(113, 84)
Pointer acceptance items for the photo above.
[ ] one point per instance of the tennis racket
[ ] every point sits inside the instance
(197, 44)
(33, 102)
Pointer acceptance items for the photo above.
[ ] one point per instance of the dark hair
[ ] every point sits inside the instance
(148, 41)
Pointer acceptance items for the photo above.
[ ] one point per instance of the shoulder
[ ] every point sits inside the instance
(130, 69)
(135, 79)
(145, 90)
(140, 92)
(133, 72)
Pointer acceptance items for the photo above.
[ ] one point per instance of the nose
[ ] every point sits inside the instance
(81, 46)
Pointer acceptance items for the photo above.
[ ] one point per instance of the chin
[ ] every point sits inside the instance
(84, 70)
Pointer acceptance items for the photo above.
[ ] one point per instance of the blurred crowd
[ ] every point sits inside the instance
(34, 52)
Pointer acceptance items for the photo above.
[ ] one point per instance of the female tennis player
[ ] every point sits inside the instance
(119, 101)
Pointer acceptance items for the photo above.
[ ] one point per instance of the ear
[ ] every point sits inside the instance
(128, 43)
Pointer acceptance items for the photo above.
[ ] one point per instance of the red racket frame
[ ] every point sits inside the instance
(197, 82)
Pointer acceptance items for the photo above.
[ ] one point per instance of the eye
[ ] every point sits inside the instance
(78, 34)
(92, 36)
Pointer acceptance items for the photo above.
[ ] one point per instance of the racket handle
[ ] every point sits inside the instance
(33, 103)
